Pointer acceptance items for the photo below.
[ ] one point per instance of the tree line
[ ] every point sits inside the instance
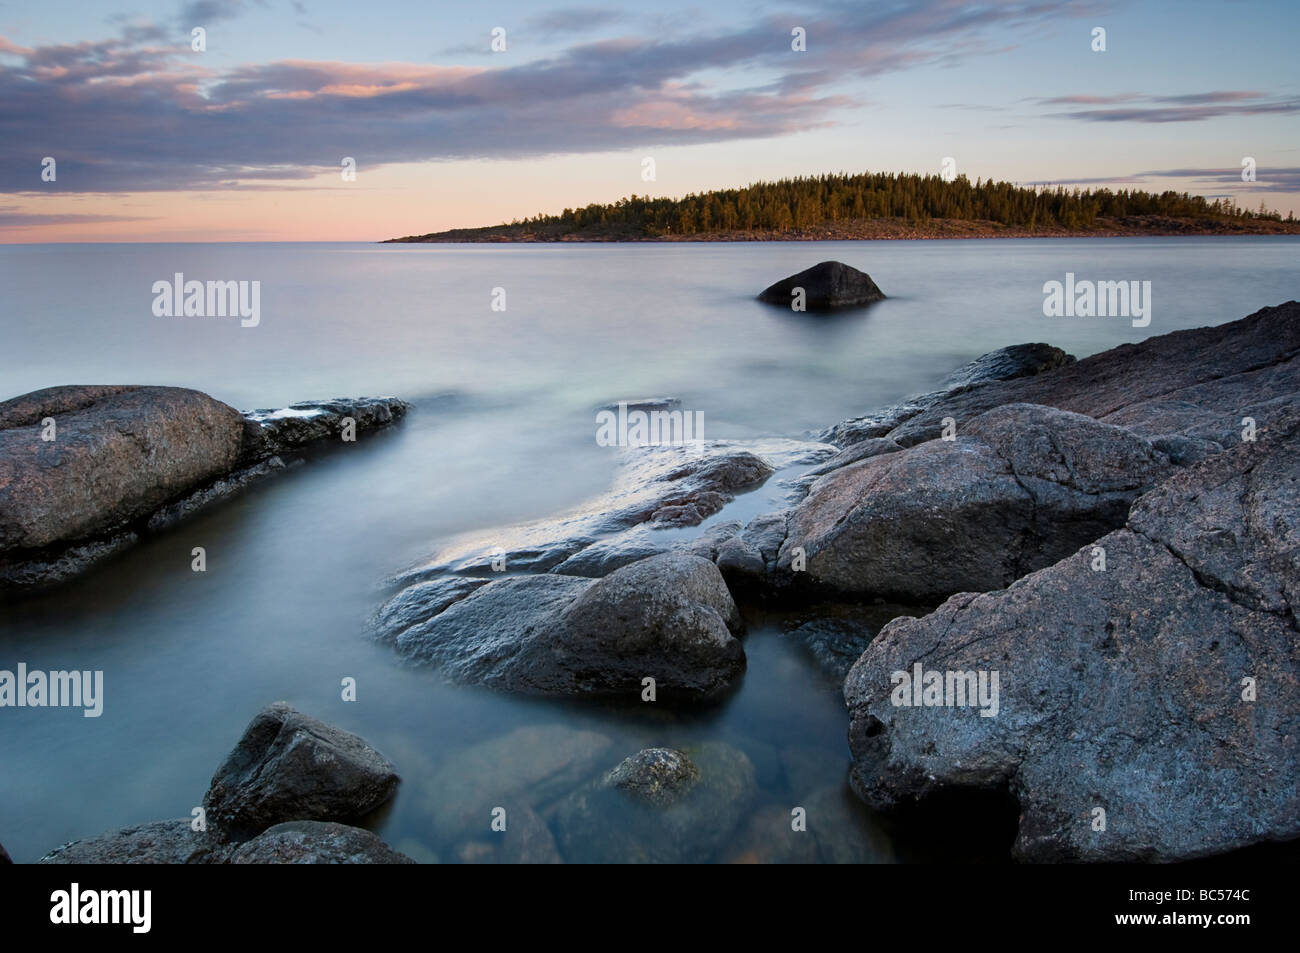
(812, 201)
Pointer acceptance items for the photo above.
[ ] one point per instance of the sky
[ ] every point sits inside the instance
(246, 139)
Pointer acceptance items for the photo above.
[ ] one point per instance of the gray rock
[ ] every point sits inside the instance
(127, 461)
(119, 453)
(827, 285)
(613, 821)
(1120, 689)
(160, 842)
(316, 842)
(298, 425)
(658, 776)
(1176, 379)
(1023, 486)
(289, 767)
(666, 617)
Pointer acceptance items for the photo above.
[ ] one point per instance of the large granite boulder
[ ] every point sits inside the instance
(118, 454)
(126, 461)
(668, 617)
(1148, 706)
(289, 767)
(316, 842)
(1022, 486)
(828, 285)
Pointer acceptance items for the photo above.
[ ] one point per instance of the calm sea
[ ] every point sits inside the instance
(502, 431)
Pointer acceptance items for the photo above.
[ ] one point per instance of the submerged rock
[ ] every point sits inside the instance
(316, 842)
(826, 286)
(656, 809)
(836, 831)
(529, 767)
(526, 840)
(656, 776)
(289, 767)
(1162, 691)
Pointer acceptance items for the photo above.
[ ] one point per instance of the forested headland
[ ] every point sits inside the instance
(884, 205)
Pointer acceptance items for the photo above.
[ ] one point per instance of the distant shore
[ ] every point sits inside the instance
(871, 230)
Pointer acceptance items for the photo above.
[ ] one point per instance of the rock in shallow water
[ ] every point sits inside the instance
(826, 286)
(316, 842)
(528, 767)
(667, 618)
(289, 767)
(1120, 690)
(687, 819)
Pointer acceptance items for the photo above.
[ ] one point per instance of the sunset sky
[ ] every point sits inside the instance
(244, 141)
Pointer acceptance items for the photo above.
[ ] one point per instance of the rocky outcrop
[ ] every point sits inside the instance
(826, 286)
(289, 767)
(316, 842)
(1023, 486)
(668, 617)
(86, 470)
(659, 806)
(298, 425)
(1200, 382)
(1148, 710)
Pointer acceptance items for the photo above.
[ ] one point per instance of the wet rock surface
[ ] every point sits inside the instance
(668, 617)
(290, 767)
